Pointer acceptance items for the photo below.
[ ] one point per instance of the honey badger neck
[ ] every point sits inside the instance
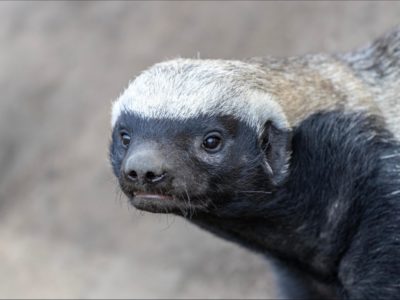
(310, 221)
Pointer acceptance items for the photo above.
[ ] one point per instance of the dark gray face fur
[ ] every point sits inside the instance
(165, 167)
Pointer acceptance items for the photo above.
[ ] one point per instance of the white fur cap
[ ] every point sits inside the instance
(186, 88)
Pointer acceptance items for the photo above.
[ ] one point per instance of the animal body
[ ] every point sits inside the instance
(294, 158)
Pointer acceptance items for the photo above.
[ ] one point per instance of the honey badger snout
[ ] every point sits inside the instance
(145, 166)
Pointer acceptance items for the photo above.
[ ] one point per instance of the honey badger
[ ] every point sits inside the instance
(295, 158)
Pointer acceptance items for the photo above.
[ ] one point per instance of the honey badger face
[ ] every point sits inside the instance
(188, 137)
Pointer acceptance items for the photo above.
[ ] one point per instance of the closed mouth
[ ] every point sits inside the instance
(153, 196)
(155, 202)
(162, 203)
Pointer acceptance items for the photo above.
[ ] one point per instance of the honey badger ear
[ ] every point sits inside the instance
(276, 145)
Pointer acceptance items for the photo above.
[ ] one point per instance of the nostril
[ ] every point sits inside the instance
(152, 177)
(132, 175)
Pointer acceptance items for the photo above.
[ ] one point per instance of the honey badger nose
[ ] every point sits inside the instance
(144, 166)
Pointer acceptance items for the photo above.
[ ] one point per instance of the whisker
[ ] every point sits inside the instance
(180, 206)
(259, 192)
(191, 212)
(390, 156)
(169, 224)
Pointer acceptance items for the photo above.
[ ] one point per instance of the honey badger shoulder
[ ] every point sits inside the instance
(346, 172)
(240, 148)
(334, 224)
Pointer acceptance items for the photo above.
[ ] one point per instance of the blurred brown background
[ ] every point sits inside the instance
(65, 231)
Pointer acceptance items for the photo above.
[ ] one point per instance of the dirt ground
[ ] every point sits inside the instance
(65, 230)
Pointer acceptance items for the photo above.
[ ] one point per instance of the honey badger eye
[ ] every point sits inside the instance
(125, 138)
(212, 142)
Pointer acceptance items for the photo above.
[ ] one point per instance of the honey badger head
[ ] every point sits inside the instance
(197, 135)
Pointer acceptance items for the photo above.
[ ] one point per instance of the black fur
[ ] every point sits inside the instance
(333, 224)
(203, 180)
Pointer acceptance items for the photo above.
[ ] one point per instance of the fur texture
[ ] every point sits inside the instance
(335, 223)
(305, 170)
(284, 90)
(185, 88)
(378, 66)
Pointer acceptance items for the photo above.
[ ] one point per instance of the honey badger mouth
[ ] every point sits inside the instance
(153, 196)
(164, 203)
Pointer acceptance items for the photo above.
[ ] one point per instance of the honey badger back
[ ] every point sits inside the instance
(378, 66)
(211, 140)
(368, 77)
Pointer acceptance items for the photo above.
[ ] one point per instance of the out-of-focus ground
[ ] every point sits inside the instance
(65, 231)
